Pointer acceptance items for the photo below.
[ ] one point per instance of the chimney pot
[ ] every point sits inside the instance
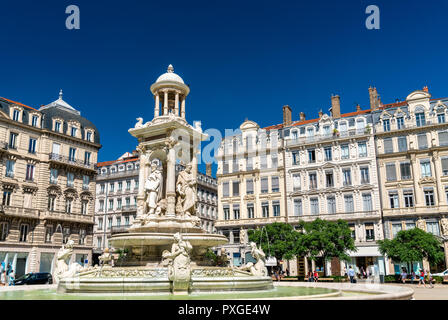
(302, 116)
(425, 88)
(287, 116)
(374, 98)
(335, 106)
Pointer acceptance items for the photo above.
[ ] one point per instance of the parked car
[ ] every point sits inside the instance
(441, 274)
(34, 278)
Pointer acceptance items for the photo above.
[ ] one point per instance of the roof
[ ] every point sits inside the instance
(18, 103)
(170, 76)
(108, 163)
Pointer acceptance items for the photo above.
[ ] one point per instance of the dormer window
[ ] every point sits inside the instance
(34, 120)
(386, 125)
(57, 126)
(16, 115)
(400, 122)
(89, 136)
(73, 131)
(420, 119)
(441, 117)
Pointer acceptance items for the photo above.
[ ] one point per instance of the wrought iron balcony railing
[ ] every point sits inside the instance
(71, 161)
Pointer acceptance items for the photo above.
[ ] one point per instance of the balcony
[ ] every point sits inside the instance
(129, 208)
(327, 137)
(336, 216)
(254, 221)
(119, 174)
(19, 212)
(3, 146)
(119, 229)
(70, 161)
(69, 217)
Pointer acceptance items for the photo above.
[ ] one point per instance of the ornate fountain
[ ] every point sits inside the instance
(166, 246)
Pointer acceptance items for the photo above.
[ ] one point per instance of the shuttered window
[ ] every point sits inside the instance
(391, 173)
(388, 146)
(264, 185)
(249, 186)
(275, 184)
(445, 166)
(405, 169)
(225, 189)
(443, 138)
(422, 141)
(402, 144)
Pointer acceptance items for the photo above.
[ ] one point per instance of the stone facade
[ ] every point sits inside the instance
(47, 159)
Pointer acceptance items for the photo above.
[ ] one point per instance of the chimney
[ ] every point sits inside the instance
(335, 106)
(208, 169)
(287, 116)
(358, 108)
(302, 116)
(374, 99)
(425, 88)
(320, 114)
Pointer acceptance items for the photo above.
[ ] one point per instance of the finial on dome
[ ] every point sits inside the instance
(170, 68)
(60, 94)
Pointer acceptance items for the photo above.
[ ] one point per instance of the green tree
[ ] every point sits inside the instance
(326, 239)
(277, 239)
(413, 245)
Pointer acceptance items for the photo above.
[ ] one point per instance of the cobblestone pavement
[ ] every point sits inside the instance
(439, 292)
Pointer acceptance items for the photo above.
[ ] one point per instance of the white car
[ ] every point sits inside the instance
(441, 274)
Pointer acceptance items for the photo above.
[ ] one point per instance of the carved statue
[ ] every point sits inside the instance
(139, 123)
(444, 223)
(105, 258)
(243, 236)
(153, 188)
(186, 190)
(259, 268)
(178, 260)
(421, 224)
(64, 270)
(223, 259)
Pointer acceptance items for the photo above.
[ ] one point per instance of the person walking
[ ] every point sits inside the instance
(316, 276)
(403, 275)
(12, 276)
(422, 278)
(351, 274)
(430, 279)
(3, 273)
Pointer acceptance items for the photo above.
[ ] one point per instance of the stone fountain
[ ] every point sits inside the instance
(166, 246)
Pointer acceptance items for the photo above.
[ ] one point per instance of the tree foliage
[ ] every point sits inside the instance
(277, 239)
(412, 245)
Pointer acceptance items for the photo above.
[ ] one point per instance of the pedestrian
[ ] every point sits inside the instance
(12, 276)
(430, 279)
(8, 271)
(403, 275)
(310, 276)
(422, 278)
(351, 274)
(3, 273)
(316, 276)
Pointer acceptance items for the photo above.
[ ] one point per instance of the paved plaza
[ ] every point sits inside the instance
(439, 292)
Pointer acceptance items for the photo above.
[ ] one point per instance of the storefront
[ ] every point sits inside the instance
(367, 262)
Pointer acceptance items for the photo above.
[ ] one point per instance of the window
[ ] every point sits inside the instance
(391, 173)
(422, 141)
(13, 140)
(16, 115)
(343, 126)
(128, 185)
(126, 220)
(313, 180)
(250, 211)
(362, 149)
(328, 155)
(100, 223)
(347, 177)
(388, 145)
(109, 223)
(309, 132)
(235, 166)
(236, 188)
(410, 225)
(264, 185)
(225, 189)
(326, 130)
(445, 166)
(295, 158)
(263, 162)
(429, 197)
(87, 158)
(296, 182)
(396, 227)
(408, 198)
(225, 167)
(274, 161)
(386, 125)
(425, 166)
(236, 211)
(365, 179)
(57, 126)
(51, 202)
(74, 131)
(3, 231)
(441, 117)
(420, 119)
(119, 203)
(433, 227)
(120, 186)
(249, 164)
(314, 204)
(32, 146)
(226, 211)
(298, 209)
(400, 122)
(85, 182)
(265, 209)
(89, 136)
(99, 242)
(344, 151)
(331, 205)
(6, 198)
(405, 170)
(370, 232)
(68, 205)
(443, 138)
(82, 237)
(402, 144)
(23, 232)
(249, 186)
(111, 204)
(65, 235)
(54, 176)
(10, 168)
(70, 179)
(352, 231)
(295, 135)
(276, 208)
(348, 200)
(367, 202)
(29, 172)
(393, 200)
(311, 156)
(84, 206)
(72, 154)
(275, 184)
(329, 179)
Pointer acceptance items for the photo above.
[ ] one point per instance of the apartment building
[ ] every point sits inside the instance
(47, 159)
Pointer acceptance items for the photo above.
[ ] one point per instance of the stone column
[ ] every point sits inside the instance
(415, 176)
(165, 104)
(171, 179)
(439, 186)
(183, 107)
(141, 181)
(176, 105)
(157, 105)
(445, 245)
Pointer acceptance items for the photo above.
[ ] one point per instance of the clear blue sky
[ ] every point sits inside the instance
(242, 59)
